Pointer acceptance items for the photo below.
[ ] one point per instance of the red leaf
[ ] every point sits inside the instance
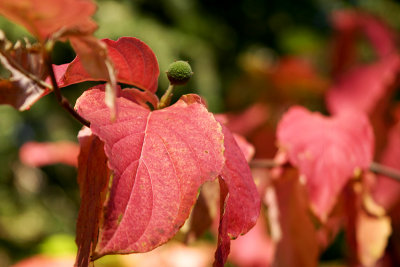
(347, 24)
(327, 151)
(364, 86)
(160, 159)
(133, 60)
(240, 202)
(44, 18)
(93, 176)
(387, 190)
(40, 154)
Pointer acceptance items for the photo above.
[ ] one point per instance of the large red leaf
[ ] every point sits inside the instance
(133, 60)
(240, 202)
(364, 86)
(43, 18)
(159, 159)
(93, 176)
(327, 151)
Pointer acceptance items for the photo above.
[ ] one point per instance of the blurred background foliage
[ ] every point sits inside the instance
(231, 45)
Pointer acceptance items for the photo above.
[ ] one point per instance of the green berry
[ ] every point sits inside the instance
(179, 72)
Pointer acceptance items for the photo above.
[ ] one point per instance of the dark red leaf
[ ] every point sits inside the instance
(67, 19)
(43, 18)
(364, 86)
(387, 190)
(41, 154)
(347, 24)
(240, 202)
(327, 151)
(93, 176)
(159, 158)
(23, 62)
(367, 227)
(133, 60)
(298, 244)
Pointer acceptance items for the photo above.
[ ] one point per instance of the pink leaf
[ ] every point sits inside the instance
(45, 261)
(133, 60)
(364, 86)
(327, 151)
(246, 122)
(159, 159)
(240, 202)
(255, 249)
(40, 154)
(93, 176)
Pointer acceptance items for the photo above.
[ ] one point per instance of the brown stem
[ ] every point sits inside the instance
(385, 170)
(374, 167)
(63, 101)
(263, 163)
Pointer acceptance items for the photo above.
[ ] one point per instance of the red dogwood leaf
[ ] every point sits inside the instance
(133, 60)
(40, 154)
(326, 151)
(364, 86)
(347, 24)
(159, 158)
(93, 176)
(240, 202)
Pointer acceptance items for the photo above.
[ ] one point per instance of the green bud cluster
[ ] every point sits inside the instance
(179, 72)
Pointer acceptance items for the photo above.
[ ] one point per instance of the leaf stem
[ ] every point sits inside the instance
(374, 167)
(166, 98)
(62, 100)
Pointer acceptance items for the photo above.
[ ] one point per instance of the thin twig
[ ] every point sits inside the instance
(263, 163)
(385, 170)
(374, 167)
(63, 101)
